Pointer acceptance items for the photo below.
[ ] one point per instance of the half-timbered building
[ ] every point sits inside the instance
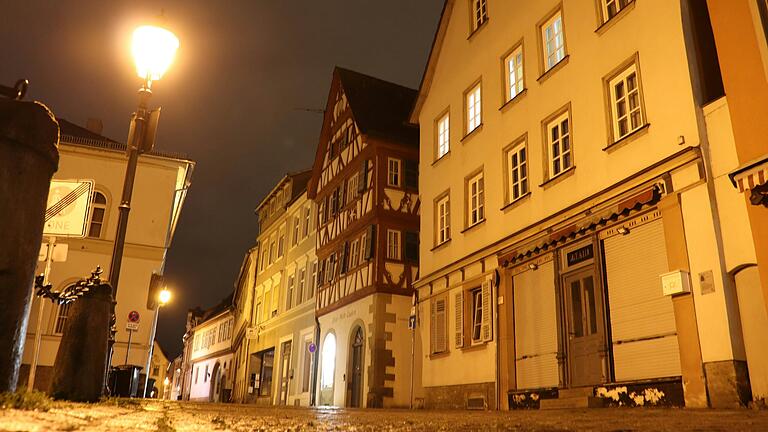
(365, 184)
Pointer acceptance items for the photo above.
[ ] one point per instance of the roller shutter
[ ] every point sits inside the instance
(644, 335)
(536, 328)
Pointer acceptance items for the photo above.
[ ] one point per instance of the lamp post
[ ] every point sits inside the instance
(162, 299)
(153, 50)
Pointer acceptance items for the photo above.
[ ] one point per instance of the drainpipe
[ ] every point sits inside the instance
(496, 281)
(313, 394)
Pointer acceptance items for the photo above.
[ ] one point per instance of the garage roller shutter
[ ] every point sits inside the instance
(536, 328)
(642, 319)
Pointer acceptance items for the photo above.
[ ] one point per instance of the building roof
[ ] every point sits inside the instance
(380, 108)
(223, 306)
(73, 134)
(434, 53)
(299, 179)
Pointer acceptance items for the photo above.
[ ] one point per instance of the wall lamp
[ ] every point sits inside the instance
(533, 266)
(623, 230)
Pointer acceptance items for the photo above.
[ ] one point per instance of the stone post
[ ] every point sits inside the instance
(29, 156)
(81, 360)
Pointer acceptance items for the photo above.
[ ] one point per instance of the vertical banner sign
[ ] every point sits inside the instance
(66, 214)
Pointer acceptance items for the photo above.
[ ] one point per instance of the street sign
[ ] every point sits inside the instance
(59, 252)
(133, 317)
(251, 333)
(67, 211)
(132, 326)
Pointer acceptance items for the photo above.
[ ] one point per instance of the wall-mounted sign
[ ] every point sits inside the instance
(576, 256)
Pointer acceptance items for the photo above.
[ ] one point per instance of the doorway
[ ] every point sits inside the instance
(328, 362)
(215, 389)
(585, 328)
(285, 371)
(356, 369)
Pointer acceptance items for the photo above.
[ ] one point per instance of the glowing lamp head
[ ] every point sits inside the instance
(164, 296)
(153, 51)
(166, 381)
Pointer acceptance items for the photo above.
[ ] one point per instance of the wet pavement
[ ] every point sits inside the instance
(130, 415)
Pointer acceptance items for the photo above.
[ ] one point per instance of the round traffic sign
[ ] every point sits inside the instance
(133, 316)
(312, 347)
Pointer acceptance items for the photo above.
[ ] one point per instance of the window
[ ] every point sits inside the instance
(479, 13)
(412, 246)
(352, 188)
(517, 161)
(613, 7)
(331, 267)
(438, 325)
(354, 254)
(393, 244)
(477, 314)
(626, 106)
(443, 211)
(61, 317)
(553, 40)
(474, 108)
(513, 67)
(476, 209)
(393, 177)
(301, 286)
(559, 145)
(267, 363)
(296, 228)
(272, 251)
(307, 220)
(306, 370)
(289, 292)
(205, 375)
(443, 135)
(313, 280)
(98, 211)
(281, 243)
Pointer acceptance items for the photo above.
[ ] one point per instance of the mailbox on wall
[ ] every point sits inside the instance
(676, 282)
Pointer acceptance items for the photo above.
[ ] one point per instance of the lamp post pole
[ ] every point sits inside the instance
(151, 349)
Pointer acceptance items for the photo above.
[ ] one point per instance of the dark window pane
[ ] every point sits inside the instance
(577, 318)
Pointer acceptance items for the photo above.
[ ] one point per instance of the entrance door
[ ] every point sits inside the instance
(356, 370)
(586, 335)
(285, 372)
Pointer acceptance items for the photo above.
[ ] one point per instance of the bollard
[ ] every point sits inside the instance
(29, 156)
(80, 361)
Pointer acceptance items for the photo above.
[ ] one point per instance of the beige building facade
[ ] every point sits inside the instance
(162, 181)
(574, 244)
(275, 359)
(210, 361)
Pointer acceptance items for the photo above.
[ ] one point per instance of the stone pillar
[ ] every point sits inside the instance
(29, 156)
(694, 382)
(81, 359)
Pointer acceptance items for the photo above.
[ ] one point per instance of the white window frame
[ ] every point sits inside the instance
(352, 187)
(289, 289)
(479, 13)
(475, 199)
(514, 73)
(618, 6)
(394, 172)
(296, 228)
(473, 105)
(307, 220)
(100, 223)
(62, 315)
(631, 116)
(563, 161)
(313, 280)
(443, 211)
(393, 244)
(443, 135)
(517, 176)
(553, 40)
(354, 253)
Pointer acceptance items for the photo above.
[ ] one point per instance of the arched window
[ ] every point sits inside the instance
(96, 218)
(61, 318)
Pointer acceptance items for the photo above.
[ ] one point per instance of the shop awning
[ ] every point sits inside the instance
(750, 175)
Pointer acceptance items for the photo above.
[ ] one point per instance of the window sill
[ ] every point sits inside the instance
(445, 156)
(551, 71)
(472, 133)
(477, 346)
(471, 227)
(611, 21)
(477, 30)
(557, 179)
(439, 355)
(513, 101)
(642, 130)
(440, 246)
(512, 204)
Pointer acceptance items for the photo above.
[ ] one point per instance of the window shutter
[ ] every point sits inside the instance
(441, 336)
(433, 326)
(459, 330)
(345, 258)
(486, 328)
(412, 246)
(411, 174)
(362, 182)
(370, 246)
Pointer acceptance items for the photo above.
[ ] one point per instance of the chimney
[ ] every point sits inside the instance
(94, 125)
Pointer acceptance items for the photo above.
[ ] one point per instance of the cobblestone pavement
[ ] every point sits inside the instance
(129, 415)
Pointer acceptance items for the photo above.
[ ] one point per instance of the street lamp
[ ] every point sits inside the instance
(153, 50)
(163, 297)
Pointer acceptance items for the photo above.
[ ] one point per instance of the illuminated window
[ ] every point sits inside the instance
(393, 244)
(474, 108)
(476, 200)
(626, 106)
(443, 220)
(443, 136)
(477, 315)
(479, 13)
(513, 66)
(553, 40)
(613, 7)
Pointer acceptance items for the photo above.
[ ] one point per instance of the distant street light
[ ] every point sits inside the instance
(162, 299)
(153, 50)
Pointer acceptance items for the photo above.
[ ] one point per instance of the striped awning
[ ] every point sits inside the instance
(750, 175)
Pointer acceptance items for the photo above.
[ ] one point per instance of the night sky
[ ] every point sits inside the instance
(234, 101)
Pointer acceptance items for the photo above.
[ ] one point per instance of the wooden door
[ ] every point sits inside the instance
(586, 332)
(356, 370)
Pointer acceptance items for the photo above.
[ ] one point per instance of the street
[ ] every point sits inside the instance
(165, 416)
